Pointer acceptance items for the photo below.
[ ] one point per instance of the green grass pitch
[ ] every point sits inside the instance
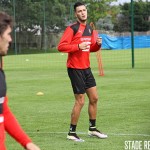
(123, 107)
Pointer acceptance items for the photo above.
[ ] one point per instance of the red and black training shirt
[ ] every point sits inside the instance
(72, 37)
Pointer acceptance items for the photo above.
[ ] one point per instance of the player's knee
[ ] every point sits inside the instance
(80, 101)
(94, 100)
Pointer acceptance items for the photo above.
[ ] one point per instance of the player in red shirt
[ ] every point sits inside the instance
(78, 41)
(8, 121)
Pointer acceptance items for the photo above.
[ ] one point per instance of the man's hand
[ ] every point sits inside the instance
(99, 40)
(85, 46)
(31, 146)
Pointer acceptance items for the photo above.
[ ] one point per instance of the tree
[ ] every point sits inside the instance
(141, 17)
(28, 13)
(142, 13)
(105, 23)
(5, 5)
(97, 9)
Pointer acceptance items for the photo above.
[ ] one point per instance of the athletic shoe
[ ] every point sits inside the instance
(96, 133)
(73, 136)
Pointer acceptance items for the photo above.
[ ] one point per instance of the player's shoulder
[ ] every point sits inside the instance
(74, 24)
(75, 27)
(88, 26)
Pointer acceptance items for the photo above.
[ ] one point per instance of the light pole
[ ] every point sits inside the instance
(44, 25)
(15, 40)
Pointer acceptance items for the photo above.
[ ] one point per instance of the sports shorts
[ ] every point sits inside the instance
(81, 79)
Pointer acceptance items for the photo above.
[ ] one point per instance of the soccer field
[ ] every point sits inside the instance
(123, 108)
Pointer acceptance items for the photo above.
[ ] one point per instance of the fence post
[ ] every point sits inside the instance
(15, 41)
(132, 31)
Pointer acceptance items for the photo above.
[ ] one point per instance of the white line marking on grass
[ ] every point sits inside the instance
(122, 134)
(84, 133)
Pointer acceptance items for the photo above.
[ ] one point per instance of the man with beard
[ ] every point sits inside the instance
(78, 41)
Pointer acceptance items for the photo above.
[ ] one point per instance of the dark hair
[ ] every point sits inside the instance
(5, 21)
(77, 4)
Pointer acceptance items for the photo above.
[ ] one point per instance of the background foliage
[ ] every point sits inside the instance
(39, 24)
(60, 13)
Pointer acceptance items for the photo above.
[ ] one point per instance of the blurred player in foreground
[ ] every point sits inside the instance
(78, 41)
(8, 121)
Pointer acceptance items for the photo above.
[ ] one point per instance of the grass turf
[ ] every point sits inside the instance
(123, 108)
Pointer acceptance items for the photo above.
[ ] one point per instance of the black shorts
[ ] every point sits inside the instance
(81, 80)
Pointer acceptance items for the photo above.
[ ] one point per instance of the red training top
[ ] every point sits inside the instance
(72, 37)
(8, 121)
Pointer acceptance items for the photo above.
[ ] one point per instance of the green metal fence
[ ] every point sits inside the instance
(39, 24)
